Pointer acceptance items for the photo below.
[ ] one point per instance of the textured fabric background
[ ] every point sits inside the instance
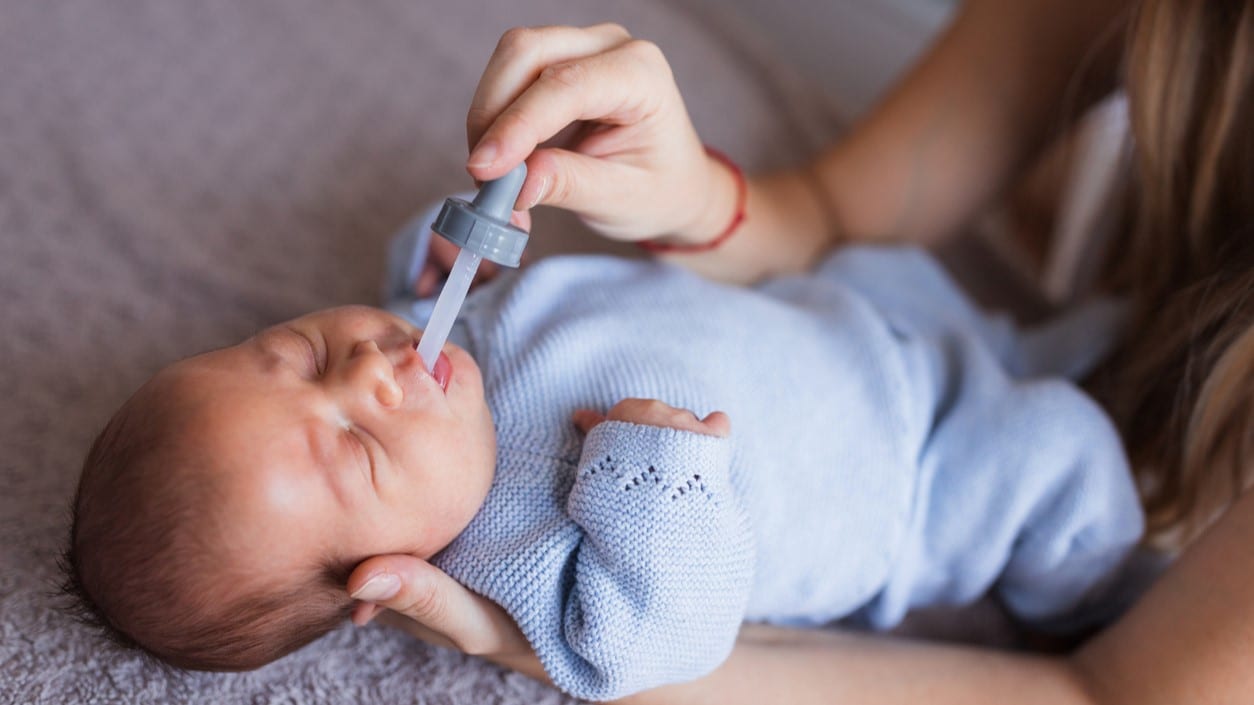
(176, 175)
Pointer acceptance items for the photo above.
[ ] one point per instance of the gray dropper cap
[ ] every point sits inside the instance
(483, 226)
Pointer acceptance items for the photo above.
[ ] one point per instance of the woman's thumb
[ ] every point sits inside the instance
(399, 582)
(416, 589)
(589, 186)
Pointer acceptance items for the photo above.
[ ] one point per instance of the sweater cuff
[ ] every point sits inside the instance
(665, 566)
(647, 458)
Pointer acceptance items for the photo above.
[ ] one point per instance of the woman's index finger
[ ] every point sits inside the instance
(519, 58)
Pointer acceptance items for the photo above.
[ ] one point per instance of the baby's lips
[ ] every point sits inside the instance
(443, 370)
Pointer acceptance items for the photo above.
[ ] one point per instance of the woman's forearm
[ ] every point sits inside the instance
(1189, 640)
(785, 229)
(830, 667)
(1001, 80)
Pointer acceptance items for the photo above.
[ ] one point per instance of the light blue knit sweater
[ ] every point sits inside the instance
(891, 447)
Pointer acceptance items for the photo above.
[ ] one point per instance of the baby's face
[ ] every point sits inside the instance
(328, 440)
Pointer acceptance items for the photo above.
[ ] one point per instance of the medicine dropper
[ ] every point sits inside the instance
(482, 230)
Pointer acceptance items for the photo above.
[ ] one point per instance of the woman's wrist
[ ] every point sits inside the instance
(718, 216)
(786, 229)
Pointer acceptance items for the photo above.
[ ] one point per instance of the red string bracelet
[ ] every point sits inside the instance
(742, 195)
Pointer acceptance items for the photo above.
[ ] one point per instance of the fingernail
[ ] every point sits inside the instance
(540, 191)
(383, 586)
(483, 155)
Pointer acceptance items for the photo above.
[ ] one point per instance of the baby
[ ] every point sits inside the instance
(893, 448)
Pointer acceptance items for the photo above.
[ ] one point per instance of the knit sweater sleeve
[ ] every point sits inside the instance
(407, 252)
(663, 571)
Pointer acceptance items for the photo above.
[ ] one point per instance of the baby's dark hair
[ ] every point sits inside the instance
(139, 567)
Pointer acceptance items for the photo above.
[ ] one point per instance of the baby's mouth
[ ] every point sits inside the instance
(443, 369)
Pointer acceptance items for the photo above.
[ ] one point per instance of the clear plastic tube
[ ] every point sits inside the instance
(447, 306)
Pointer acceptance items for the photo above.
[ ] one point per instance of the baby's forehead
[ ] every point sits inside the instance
(239, 374)
(246, 356)
(220, 409)
(253, 434)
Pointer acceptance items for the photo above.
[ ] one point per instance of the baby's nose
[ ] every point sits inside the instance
(371, 371)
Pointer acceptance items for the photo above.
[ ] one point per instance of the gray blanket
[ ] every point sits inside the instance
(176, 175)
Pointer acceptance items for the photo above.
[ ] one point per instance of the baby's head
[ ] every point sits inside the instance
(221, 510)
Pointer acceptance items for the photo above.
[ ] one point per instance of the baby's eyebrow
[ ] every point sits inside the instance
(268, 352)
(281, 344)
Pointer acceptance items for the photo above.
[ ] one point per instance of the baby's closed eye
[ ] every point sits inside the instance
(362, 450)
(310, 357)
(288, 347)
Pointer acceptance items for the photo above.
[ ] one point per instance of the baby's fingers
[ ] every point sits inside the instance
(716, 424)
(441, 255)
(652, 412)
(428, 280)
(586, 419)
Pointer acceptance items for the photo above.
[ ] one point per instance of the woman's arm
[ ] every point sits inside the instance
(1003, 79)
(771, 664)
(950, 136)
(1189, 640)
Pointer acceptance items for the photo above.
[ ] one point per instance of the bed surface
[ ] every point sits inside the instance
(175, 176)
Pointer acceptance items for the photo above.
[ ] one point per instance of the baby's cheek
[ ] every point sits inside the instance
(284, 498)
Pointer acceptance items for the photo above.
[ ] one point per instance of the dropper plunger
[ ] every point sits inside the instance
(482, 230)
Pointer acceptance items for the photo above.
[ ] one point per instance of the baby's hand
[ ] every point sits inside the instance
(651, 412)
(440, 257)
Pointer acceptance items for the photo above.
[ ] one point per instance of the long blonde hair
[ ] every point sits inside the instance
(1182, 386)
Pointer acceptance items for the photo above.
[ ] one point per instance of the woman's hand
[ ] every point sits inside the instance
(631, 165)
(411, 594)
(651, 412)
